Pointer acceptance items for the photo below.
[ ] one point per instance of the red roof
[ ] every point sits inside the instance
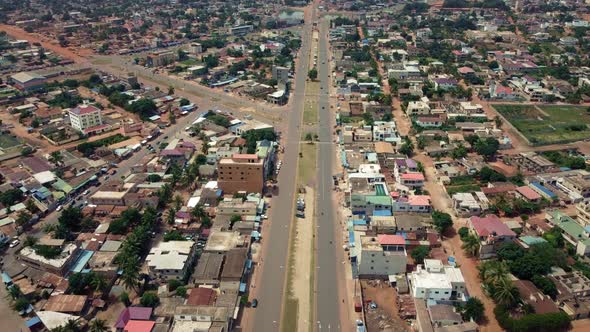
(388, 239)
(465, 70)
(413, 176)
(84, 109)
(528, 193)
(139, 326)
(201, 296)
(244, 156)
(490, 225)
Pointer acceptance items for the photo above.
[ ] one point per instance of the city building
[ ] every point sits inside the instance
(492, 233)
(29, 81)
(435, 281)
(241, 172)
(170, 260)
(382, 256)
(85, 117)
(160, 58)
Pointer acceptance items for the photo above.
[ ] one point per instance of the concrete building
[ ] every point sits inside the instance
(281, 74)
(531, 162)
(492, 233)
(28, 81)
(85, 117)
(470, 204)
(382, 256)
(160, 58)
(572, 231)
(241, 172)
(170, 260)
(435, 281)
(59, 265)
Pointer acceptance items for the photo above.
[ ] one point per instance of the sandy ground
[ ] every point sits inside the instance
(11, 321)
(386, 316)
(304, 229)
(47, 43)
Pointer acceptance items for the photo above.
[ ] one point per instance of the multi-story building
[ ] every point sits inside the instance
(161, 58)
(382, 256)
(435, 281)
(281, 74)
(241, 172)
(170, 260)
(491, 232)
(85, 117)
(572, 231)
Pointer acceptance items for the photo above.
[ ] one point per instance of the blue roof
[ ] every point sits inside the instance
(249, 264)
(543, 189)
(563, 169)
(360, 222)
(6, 278)
(382, 213)
(351, 237)
(82, 261)
(255, 234)
(343, 159)
(242, 287)
(33, 321)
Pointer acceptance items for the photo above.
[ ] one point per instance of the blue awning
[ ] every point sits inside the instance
(382, 213)
(33, 321)
(255, 234)
(242, 287)
(351, 237)
(249, 264)
(6, 278)
(359, 222)
(82, 261)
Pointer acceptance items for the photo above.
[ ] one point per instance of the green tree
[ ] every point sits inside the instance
(471, 245)
(124, 297)
(98, 325)
(419, 253)
(23, 218)
(56, 158)
(130, 273)
(463, 232)
(21, 304)
(312, 74)
(504, 292)
(442, 221)
(181, 291)
(149, 299)
(487, 147)
(473, 309)
(407, 148)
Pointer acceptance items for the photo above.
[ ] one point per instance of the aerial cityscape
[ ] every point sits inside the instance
(294, 165)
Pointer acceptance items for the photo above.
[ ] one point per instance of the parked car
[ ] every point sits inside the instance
(254, 303)
(14, 243)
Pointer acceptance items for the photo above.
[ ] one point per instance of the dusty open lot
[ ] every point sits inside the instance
(385, 317)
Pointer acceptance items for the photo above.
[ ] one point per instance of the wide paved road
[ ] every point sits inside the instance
(328, 304)
(271, 285)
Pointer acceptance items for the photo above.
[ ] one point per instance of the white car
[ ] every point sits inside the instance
(86, 192)
(59, 208)
(14, 243)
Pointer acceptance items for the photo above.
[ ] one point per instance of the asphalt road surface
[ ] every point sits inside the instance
(270, 289)
(327, 306)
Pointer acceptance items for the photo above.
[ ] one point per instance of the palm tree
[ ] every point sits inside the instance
(98, 283)
(492, 272)
(130, 275)
(198, 212)
(98, 325)
(504, 292)
(71, 326)
(56, 158)
(471, 245)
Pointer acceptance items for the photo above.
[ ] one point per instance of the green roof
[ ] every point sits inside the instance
(378, 200)
(62, 186)
(567, 224)
(532, 240)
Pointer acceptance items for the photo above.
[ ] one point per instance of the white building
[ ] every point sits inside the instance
(386, 132)
(84, 117)
(419, 107)
(434, 281)
(170, 260)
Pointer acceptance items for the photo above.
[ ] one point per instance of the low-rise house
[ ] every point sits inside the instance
(382, 256)
(444, 315)
(59, 265)
(530, 162)
(573, 293)
(470, 204)
(418, 108)
(28, 81)
(491, 232)
(530, 294)
(170, 260)
(573, 232)
(528, 194)
(435, 281)
(412, 203)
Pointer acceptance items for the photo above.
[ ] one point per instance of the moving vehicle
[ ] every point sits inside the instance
(254, 303)
(59, 208)
(14, 243)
